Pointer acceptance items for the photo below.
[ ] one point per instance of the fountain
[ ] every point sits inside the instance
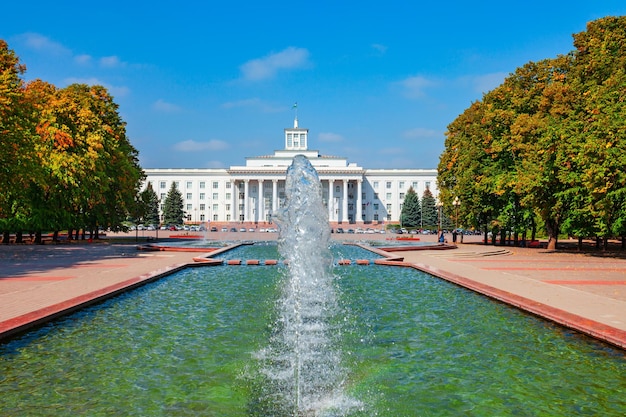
(303, 361)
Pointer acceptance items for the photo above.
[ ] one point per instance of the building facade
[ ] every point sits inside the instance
(252, 192)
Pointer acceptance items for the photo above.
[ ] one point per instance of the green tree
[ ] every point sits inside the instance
(411, 215)
(430, 217)
(173, 206)
(17, 134)
(150, 202)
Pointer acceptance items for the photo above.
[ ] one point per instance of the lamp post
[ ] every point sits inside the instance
(456, 203)
(439, 206)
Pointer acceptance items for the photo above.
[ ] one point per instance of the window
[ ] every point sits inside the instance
(363, 196)
(388, 185)
(188, 207)
(202, 207)
(216, 185)
(162, 184)
(189, 196)
(162, 197)
(229, 196)
(414, 185)
(337, 189)
(388, 208)
(202, 195)
(375, 196)
(375, 184)
(215, 217)
(177, 184)
(202, 217)
(401, 196)
(227, 217)
(227, 207)
(215, 207)
(228, 184)
(428, 185)
(376, 216)
(401, 185)
(189, 184)
(202, 184)
(388, 196)
(375, 206)
(215, 196)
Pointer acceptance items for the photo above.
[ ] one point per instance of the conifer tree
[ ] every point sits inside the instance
(173, 206)
(411, 215)
(429, 211)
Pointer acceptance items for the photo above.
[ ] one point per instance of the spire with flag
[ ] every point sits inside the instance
(295, 106)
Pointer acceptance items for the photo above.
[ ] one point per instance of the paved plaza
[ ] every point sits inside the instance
(584, 291)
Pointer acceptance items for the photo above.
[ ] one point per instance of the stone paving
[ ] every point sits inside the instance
(582, 291)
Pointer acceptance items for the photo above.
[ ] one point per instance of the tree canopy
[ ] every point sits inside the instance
(548, 144)
(411, 215)
(65, 160)
(173, 206)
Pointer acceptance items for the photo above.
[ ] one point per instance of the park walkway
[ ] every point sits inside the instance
(584, 292)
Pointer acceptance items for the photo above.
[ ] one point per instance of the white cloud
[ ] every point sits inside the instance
(114, 90)
(214, 164)
(421, 133)
(267, 67)
(391, 151)
(83, 59)
(379, 48)
(111, 62)
(487, 82)
(330, 137)
(193, 146)
(165, 107)
(413, 87)
(253, 103)
(42, 43)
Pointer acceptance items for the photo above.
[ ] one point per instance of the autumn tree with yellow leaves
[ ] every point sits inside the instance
(547, 146)
(67, 163)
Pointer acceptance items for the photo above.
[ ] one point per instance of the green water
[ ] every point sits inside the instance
(413, 345)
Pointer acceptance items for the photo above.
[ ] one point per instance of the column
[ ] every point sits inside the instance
(331, 201)
(359, 202)
(260, 204)
(274, 196)
(246, 189)
(344, 214)
(234, 198)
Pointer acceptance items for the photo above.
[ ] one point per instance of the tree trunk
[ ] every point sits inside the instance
(18, 237)
(605, 243)
(6, 237)
(70, 234)
(553, 234)
(486, 237)
(502, 237)
(580, 243)
(38, 239)
(55, 236)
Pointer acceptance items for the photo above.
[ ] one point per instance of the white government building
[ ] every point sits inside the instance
(250, 193)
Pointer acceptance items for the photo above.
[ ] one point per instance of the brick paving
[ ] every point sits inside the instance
(586, 292)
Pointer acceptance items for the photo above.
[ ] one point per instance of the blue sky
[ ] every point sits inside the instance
(205, 84)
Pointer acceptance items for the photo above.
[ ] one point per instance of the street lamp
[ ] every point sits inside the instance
(456, 203)
(439, 206)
